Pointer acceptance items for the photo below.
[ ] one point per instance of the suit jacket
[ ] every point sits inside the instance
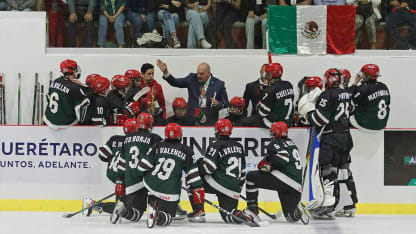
(216, 86)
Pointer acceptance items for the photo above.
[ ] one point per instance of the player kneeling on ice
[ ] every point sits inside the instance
(164, 164)
(223, 169)
(130, 191)
(281, 171)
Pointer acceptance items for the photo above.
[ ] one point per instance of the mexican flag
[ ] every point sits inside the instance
(311, 29)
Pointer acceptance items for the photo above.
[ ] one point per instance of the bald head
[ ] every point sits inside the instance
(203, 72)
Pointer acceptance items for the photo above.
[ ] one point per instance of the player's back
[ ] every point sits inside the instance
(98, 112)
(372, 108)
(227, 156)
(116, 101)
(113, 145)
(64, 96)
(168, 160)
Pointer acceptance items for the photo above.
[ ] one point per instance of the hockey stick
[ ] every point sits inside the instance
(140, 93)
(1, 99)
(35, 96)
(3, 89)
(19, 77)
(86, 208)
(272, 216)
(50, 78)
(42, 95)
(227, 212)
(308, 154)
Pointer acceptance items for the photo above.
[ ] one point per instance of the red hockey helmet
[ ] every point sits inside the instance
(279, 129)
(70, 67)
(345, 77)
(179, 102)
(133, 74)
(130, 126)
(275, 69)
(144, 121)
(90, 78)
(237, 105)
(333, 78)
(119, 82)
(223, 127)
(173, 131)
(371, 71)
(314, 82)
(100, 84)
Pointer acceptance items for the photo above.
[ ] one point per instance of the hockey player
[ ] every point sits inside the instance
(180, 109)
(98, 112)
(281, 171)
(130, 191)
(110, 153)
(329, 111)
(116, 97)
(132, 107)
(148, 106)
(90, 78)
(345, 77)
(371, 99)
(237, 111)
(67, 100)
(223, 170)
(308, 84)
(277, 102)
(165, 163)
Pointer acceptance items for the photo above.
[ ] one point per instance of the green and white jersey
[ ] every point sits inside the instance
(64, 103)
(165, 164)
(277, 104)
(224, 167)
(284, 157)
(110, 153)
(135, 147)
(372, 106)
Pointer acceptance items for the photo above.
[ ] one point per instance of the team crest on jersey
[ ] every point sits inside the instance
(311, 30)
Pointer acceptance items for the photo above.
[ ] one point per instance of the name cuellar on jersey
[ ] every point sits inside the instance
(372, 105)
(135, 147)
(224, 167)
(277, 104)
(165, 163)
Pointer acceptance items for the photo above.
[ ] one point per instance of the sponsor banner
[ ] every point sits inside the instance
(38, 155)
(400, 158)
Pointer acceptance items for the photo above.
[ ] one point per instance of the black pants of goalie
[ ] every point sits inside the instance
(289, 197)
(135, 204)
(165, 210)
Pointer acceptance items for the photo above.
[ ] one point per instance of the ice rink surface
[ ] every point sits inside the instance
(54, 223)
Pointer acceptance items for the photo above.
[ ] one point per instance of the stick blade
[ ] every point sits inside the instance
(67, 215)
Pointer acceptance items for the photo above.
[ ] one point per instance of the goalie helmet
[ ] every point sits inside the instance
(279, 129)
(70, 67)
(144, 121)
(275, 69)
(223, 127)
(345, 77)
(100, 85)
(119, 82)
(130, 126)
(370, 71)
(90, 78)
(314, 82)
(237, 105)
(332, 78)
(173, 131)
(133, 74)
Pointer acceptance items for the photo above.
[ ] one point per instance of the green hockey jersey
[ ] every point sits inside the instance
(110, 153)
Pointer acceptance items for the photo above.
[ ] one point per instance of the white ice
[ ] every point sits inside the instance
(54, 223)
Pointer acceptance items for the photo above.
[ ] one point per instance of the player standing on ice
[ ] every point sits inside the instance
(329, 111)
(223, 170)
(130, 192)
(67, 100)
(165, 163)
(281, 171)
(277, 103)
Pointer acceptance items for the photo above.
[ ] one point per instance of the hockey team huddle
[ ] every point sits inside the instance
(147, 169)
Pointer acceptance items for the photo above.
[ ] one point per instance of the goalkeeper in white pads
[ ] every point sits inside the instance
(281, 171)
(328, 111)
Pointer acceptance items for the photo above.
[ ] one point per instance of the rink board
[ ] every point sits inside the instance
(44, 170)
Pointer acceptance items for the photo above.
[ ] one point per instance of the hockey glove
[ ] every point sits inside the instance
(314, 94)
(200, 115)
(264, 166)
(305, 106)
(120, 189)
(132, 109)
(118, 119)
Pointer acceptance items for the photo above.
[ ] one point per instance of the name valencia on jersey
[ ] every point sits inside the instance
(172, 151)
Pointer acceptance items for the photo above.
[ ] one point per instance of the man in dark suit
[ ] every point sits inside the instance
(206, 94)
(255, 90)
